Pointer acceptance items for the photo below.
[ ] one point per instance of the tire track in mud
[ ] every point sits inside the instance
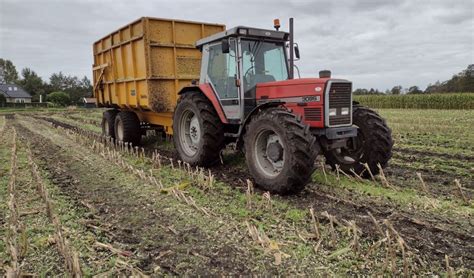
(431, 236)
(466, 158)
(132, 222)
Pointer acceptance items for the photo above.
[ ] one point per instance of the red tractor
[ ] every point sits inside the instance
(247, 94)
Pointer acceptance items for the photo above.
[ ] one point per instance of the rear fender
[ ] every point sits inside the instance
(207, 90)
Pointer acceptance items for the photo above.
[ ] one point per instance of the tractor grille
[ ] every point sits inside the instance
(312, 114)
(340, 99)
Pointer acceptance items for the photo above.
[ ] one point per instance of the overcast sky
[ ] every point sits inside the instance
(374, 43)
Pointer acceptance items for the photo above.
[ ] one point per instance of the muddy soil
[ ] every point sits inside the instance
(131, 221)
(429, 236)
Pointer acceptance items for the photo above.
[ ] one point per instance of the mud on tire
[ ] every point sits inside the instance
(127, 127)
(195, 115)
(299, 147)
(108, 123)
(373, 145)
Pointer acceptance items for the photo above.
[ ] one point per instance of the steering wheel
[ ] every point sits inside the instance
(247, 73)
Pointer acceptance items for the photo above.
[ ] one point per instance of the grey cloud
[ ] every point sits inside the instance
(457, 17)
(376, 44)
(371, 5)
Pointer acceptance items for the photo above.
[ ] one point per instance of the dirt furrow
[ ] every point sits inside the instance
(432, 237)
(157, 235)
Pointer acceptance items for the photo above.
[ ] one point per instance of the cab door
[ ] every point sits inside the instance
(221, 72)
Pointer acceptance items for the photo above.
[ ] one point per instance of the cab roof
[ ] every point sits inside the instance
(245, 32)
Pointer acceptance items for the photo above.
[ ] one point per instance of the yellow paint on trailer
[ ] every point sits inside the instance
(143, 65)
(165, 119)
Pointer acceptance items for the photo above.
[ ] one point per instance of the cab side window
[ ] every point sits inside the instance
(222, 70)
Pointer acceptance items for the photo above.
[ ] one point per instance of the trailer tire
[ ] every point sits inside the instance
(127, 127)
(108, 123)
(198, 133)
(374, 139)
(280, 151)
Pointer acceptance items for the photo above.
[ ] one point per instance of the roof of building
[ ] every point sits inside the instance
(89, 100)
(13, 91)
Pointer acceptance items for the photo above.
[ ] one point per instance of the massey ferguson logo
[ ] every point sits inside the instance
(311, 99)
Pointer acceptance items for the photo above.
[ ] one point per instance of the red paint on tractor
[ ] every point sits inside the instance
(209, 93)
(304, 90)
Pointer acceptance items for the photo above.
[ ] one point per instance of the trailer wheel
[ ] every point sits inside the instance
(373, 145)
(127, 127)
(198, 132)
(280, 151)
(108, 123)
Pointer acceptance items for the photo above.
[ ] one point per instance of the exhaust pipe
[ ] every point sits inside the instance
(325, 74)
(292, 58)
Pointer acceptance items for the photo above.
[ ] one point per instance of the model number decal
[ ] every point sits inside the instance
(311, 98)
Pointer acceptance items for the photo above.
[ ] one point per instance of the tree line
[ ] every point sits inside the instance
(462, 82)
(60, 89)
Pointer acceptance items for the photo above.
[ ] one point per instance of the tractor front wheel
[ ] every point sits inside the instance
(198, 133)
(373, 145)
(280, 151)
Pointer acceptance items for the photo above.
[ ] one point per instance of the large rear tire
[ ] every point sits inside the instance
(198, 132)
(127, 127)
(373, 145)
(108, 123)
(280, 151)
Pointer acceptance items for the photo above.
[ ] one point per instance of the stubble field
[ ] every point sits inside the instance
(73, 202)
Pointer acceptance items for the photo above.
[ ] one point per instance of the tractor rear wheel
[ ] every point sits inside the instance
(108, 123)
(280, 151)
(127, 127)
(373, 145)
(198, 132)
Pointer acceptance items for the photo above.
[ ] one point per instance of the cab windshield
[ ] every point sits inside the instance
(263, 61)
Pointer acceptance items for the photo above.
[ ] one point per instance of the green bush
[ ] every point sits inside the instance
(419, 101)
(59, 98)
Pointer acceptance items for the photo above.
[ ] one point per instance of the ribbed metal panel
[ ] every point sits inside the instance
(340, 97)
(313, 114)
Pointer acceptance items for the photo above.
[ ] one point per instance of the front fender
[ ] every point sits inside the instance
(248, 118)
(207, 90)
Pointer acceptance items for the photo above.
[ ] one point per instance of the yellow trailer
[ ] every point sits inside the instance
(143, 65)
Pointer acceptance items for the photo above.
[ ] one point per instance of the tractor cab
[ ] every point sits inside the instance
(235, 61)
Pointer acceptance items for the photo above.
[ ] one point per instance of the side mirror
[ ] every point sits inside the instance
(297, 51)
(225, 46)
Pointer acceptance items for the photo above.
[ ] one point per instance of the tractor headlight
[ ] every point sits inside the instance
(345, 111)
(332, 112)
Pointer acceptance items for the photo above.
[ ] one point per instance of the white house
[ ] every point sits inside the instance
(14, 93)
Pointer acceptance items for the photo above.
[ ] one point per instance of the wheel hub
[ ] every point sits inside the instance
(194, 130)
(270, 153)
(189, 132)
(274, 151)
(106, 128)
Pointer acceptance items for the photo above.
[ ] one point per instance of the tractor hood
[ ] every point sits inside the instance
(294, 82)
(293, 88)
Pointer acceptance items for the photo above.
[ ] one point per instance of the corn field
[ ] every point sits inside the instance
(82, 204)
(422, 101)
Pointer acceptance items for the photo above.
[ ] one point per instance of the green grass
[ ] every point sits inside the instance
(407, 198)
(440, 131)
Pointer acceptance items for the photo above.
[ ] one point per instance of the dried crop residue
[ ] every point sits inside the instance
(155, 231)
